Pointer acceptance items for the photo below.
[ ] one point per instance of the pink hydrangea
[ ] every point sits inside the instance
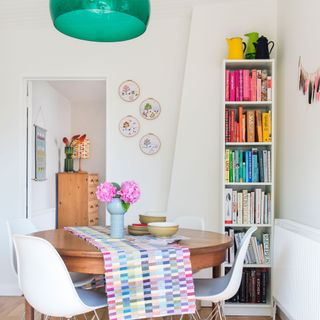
(129, 192)
(106, 192)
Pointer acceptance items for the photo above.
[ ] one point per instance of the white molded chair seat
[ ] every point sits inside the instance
(55, 296)
(220, 289)
(25, 226)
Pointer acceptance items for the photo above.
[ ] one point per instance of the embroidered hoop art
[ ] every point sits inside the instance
(129, 126)
(150, 144)
(150, 109)
(129, 91)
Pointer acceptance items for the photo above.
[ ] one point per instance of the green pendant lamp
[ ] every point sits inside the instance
(101, 20)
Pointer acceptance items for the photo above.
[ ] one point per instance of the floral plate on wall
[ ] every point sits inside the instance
(129, 126)
(150, 144)
(129, 91)
(150, 109)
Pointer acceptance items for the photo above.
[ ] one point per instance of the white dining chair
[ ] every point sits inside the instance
(25, 226)
(55, 296)
(220, 289)
(190, 222)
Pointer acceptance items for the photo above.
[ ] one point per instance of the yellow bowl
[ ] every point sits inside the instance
(163, 229)
(148, 219)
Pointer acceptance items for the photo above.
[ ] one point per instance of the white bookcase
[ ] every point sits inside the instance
(241, 308)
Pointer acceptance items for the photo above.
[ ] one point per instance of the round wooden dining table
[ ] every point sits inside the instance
(207, 249)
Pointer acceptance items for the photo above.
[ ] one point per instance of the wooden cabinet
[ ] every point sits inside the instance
(77, 204)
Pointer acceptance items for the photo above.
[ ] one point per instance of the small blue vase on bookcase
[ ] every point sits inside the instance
(117, 211)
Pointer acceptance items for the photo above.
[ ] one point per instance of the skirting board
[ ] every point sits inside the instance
(281, 315)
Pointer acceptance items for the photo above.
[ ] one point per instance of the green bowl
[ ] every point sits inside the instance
(148, 218)
(163, 229)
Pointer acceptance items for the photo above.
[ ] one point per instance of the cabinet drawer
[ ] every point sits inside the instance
(93, 206)
(92, 193)
(93, 219)
(93, 180)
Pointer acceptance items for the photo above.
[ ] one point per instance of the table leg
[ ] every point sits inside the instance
(29, 311)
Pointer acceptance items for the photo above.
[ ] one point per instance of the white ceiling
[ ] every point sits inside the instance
(35, 13)
(81, 91)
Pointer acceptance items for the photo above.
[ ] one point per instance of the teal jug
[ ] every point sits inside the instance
(251, 49)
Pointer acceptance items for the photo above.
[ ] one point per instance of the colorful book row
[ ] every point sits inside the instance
(247, 126)
(254, 286)
(247, 165)
(247, 207)
(258, 251)
(248, 85)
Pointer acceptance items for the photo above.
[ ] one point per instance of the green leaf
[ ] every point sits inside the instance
(125, 206)
(116, 185)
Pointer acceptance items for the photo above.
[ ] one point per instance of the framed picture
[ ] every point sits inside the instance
(129, 91)
(150, 109)
(129, 126)
(40, 153)
(150, 144)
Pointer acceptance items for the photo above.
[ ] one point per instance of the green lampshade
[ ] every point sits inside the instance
(101, 20)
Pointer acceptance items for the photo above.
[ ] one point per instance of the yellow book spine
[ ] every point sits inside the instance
(227, 166)
(266, 126)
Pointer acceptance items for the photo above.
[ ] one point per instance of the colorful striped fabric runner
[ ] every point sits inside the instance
(142, 280)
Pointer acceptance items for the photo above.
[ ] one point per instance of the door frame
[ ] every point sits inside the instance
(26, 85)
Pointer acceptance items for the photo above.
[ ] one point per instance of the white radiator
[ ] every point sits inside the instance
(296, 270)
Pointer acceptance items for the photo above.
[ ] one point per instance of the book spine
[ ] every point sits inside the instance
(240, 114)
(266, 247)
(252, 206)
(262, 208)
(240, 214)
(241, 84)
(264, 284)
(269, 88)
(269, 207)
(266, 127)
(241, 166)
(258, 206)
(264, 85)
(249, 207)
(249, 166)
(232, 253)
(246, 85)
(253, 286)
(244, 131)
(245, 206)
(250, 126)
(228, 206)
(242, 290)
(269, 166)
(234, 206)
(236, 156)
(233, 167)
(230, 167)
(265, 218)
(232, 95)
(237, 84)
(227, 84)
(227, 165)
(244, 178)
(258, 85)
(226, 126)
(247, 281)
(232, 126)
(261, 175)
(265, 165)
(255, 171)
(259, 125)
(254, 85)
(258, 286)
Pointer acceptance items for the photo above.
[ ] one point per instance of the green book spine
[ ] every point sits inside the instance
(231, 168)
(236, 157)
(244, 171)
(241, 165)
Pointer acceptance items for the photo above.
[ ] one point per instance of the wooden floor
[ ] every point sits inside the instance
(11, 308)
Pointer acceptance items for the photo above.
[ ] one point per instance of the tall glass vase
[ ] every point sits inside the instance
(68, 161)
(117, 212)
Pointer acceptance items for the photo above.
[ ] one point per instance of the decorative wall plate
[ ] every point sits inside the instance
(129, 91)
(150, 109)
(150, 144)
(129, 126)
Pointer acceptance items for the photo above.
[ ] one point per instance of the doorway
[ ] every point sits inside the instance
(59, 108)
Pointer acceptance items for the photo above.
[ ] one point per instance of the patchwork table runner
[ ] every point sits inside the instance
(143, 280)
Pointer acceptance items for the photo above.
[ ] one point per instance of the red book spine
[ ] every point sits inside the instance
(237, 84)
(241, 84)
(246, 85)
(254, 85)
(227, 94)
(227, 126)
(232, 87)
(232, 127)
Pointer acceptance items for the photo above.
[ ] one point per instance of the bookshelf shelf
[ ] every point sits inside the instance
(258, 144)
(234, 157)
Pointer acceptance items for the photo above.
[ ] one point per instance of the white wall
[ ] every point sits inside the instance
(156, 61)
(90, 118)
(51, 111)
(196, 175)
(298, 124)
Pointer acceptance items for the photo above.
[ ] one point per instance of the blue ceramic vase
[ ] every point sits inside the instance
(117, 212)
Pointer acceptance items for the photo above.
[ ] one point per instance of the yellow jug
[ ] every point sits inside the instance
(236, 48)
